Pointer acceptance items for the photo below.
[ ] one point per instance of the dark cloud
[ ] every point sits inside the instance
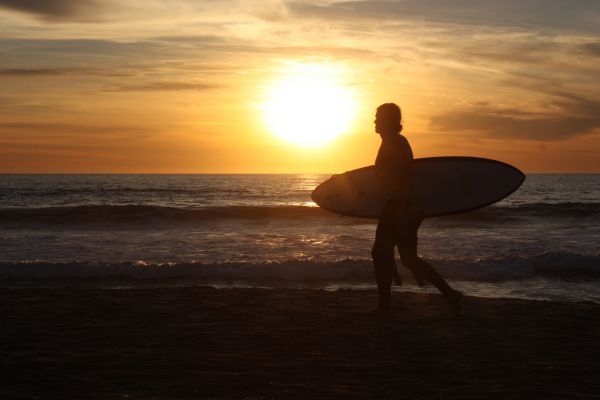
(572, 115)
(27, 72)
(161, 86)
(100, 53)
(572, 14)
(97, 56)
(53, 72)
(54, 9)
(592, 49)
(85, 53)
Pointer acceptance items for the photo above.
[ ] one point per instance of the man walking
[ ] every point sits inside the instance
(402, 215)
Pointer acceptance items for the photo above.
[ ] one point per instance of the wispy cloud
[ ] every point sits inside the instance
(29, 72)
(55, 9)
(161, 86)
(568, 116)
(592, 48)
(117, 72)
(510, 13)
(270, 10)
(42, 129)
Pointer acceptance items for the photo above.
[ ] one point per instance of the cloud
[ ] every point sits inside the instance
(27, 107)
(528, 49)
(32, 134)
(161, 86)
(28, 72)
(269, 10)
(97, 54)
(572, 15)
(58, 72)
(571, 115)
(86, 53)
(44, 127)
(591, 49)
(54, 9)
(555, 60)
(136, 10)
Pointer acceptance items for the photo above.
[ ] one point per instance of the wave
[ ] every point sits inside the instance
(108, 191)
(152, 214)
(146, 214)
(558, 210)
(551, 265)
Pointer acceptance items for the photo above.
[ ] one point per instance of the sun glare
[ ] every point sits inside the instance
(309, 106)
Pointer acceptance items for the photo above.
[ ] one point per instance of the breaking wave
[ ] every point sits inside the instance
(550, 265)
(146, 214)
(152, 214)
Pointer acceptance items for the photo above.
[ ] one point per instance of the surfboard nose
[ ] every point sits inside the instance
(335, 194)
(318, 195)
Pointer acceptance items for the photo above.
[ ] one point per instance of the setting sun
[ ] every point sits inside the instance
(309, 106)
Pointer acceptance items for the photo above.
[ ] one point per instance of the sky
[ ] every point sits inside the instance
(180, 86)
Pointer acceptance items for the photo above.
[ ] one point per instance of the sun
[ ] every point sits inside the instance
(309, 106)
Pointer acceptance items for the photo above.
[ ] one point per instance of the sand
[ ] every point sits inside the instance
(203, 343)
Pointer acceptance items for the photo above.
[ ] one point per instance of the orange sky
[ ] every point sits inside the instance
(179, 86)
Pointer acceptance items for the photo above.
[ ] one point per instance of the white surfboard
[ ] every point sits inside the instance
(445, 185)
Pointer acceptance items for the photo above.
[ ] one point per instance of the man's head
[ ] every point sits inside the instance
(388, 119)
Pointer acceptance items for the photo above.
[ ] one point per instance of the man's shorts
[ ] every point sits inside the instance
(400, 229)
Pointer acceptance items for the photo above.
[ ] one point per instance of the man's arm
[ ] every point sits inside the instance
(403, 171)
(394, 169)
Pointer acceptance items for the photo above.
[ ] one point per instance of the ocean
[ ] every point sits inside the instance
(138, 231)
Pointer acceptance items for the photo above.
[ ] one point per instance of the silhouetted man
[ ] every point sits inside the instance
(401, 215)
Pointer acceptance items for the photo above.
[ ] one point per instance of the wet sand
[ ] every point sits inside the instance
(203, 343)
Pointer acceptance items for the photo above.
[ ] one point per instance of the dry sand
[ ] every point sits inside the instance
(291, 344)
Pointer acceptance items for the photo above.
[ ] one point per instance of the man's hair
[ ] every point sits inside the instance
(391, 112)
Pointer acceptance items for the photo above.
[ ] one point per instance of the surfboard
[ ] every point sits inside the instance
(444, 185)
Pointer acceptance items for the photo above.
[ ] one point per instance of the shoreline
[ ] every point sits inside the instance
(202, 342)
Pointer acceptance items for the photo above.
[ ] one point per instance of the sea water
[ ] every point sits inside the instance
(129, 231)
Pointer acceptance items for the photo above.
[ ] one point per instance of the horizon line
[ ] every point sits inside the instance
(256, 173)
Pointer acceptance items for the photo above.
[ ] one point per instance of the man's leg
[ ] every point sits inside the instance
(385, 265)
(423, 269)
(407, 247)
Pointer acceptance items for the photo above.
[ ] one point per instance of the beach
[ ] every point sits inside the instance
(208, 343)
(238, 287)
(201, 199)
